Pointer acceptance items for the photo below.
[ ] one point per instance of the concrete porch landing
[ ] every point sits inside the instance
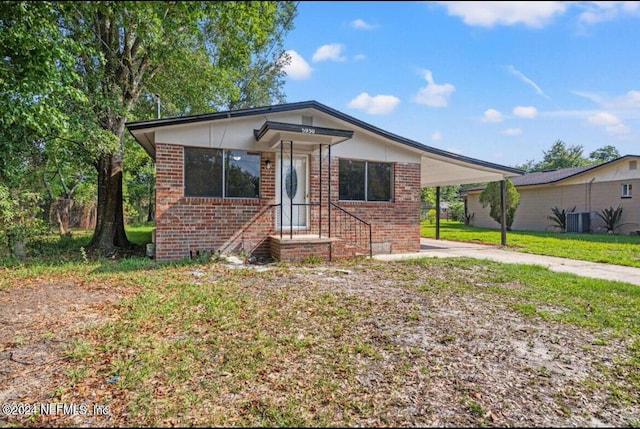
(297, 247)
(300, 246)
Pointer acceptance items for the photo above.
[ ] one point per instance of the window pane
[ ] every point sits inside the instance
(378, 181)
(351, 180)
(242, 174)
(202, 172)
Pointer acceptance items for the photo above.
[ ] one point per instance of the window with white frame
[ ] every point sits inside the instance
(626, 190)
(221, 173)
(364, 180)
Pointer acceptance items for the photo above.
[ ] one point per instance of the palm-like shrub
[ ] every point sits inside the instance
(559, 217)
(611, 217)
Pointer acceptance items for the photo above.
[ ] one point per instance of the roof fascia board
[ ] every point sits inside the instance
(155, 123)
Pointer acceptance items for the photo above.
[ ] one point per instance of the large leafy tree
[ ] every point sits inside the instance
(37, 83)
(604, 154)
(491, 196)
(561, 156)
(449, 194)
(201, 56)
(35, 80)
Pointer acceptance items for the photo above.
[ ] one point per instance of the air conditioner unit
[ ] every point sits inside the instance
(578, 222)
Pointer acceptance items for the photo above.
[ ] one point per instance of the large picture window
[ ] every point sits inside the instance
(364, 180)
(221, 173)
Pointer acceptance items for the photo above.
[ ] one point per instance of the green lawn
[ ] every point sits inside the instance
(205, 344)
(199, 343)
(608, 248)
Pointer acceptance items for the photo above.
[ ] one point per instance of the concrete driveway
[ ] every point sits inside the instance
(432, 248)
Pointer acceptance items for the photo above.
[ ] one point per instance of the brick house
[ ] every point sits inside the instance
(588, 188)
(292, 180)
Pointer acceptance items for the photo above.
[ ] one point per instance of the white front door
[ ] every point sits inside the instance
(292, 191)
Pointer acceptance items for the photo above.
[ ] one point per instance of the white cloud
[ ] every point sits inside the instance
(376, 105)
(527, 80)
(297, 67)
(331, 52)
(596, 98)
(436, 137)
(599, 11)
(611, 123)
(630, 100)
(492, 115)
(626, 102)
(489, 13)
(360, 24)
(511, 132)
(359, 57)
(434, 95)
(528, 112)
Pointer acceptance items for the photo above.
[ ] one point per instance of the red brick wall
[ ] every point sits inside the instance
(395, 225)
(298, 250)
(186, 224)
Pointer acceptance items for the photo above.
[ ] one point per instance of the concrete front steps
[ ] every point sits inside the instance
(297, 248)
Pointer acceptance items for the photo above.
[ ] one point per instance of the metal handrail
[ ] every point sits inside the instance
(356, 218)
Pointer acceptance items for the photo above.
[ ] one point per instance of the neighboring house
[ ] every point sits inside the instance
(290, 181)
(590, 189)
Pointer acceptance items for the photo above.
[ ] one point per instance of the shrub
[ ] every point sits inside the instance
(431, 216)
(18, 219)
(611, 217)
(456, 211)
(559, 217)
(491, 196)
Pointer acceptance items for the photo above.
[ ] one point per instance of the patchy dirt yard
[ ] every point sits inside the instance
(405, 349)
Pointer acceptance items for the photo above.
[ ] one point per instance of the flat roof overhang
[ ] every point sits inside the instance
(272, 133)
(446, 171)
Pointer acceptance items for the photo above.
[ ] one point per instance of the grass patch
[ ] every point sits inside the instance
(140, 234)
(315, 344)
(581, 301)
(607, 248)
(190, 342)
(605, 307)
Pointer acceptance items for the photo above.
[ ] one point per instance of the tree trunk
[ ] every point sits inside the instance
(151, 212)
(63, 212)
(109, 232)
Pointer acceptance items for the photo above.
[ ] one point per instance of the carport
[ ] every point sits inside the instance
(443, 168)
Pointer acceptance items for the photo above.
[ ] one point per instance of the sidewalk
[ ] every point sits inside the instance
(432, 248)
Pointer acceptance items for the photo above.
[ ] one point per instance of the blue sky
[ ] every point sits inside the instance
(497, 81)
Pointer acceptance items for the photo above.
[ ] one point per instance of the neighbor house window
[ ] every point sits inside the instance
(221, 173)
(626, 190)
(364, 180)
